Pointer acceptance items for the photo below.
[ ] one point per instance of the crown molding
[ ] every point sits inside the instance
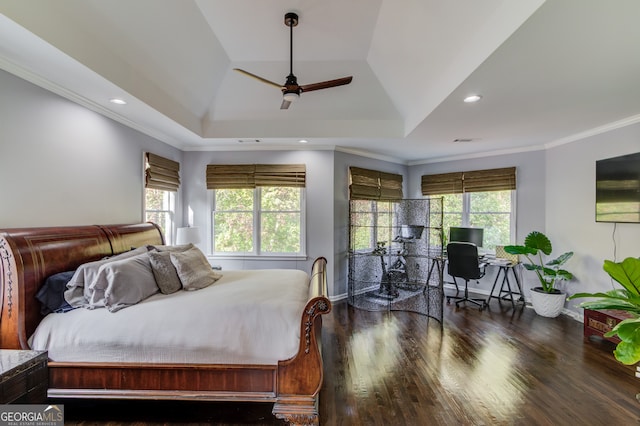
(479, 155)
(595, 131)
(44, 83)
(370, 155)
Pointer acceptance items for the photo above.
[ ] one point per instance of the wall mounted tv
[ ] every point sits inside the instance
(618, 189)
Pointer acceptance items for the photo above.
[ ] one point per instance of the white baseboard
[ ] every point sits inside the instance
(568, 312)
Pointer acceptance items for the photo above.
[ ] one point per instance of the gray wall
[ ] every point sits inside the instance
(62, 164)
(570, 209)
(319, 207)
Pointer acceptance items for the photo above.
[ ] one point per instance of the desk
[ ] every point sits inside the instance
(505, 293)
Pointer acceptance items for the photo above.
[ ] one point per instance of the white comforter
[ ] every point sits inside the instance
(246, 317)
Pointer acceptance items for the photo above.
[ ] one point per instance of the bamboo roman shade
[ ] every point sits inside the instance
(161, 173)
(445, 183)
(241, 176)
(475, 181)
(374, 185)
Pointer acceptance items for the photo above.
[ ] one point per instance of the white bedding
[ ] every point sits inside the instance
(246, 317)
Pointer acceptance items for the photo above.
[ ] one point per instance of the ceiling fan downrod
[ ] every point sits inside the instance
(291, 20)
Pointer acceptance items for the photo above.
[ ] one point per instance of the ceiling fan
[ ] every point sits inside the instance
(291, 90)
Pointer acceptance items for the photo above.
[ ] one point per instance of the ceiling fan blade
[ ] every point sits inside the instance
(326, 84)
(264, 80)
(285, 104)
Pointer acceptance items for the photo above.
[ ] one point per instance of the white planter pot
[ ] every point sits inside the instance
(547, 304)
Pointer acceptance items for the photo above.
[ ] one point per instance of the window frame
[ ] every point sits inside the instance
(171, 211)
(466, 205)
(256, 231)
(375, 214)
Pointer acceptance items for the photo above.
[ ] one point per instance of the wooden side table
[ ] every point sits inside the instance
(24, 377)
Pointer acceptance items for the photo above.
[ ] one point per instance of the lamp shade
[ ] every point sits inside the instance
(188, 235)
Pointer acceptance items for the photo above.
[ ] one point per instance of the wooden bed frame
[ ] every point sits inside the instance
(29, 255)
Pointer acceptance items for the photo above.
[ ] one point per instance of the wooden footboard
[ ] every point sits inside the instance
(300, 378)
(28, 256)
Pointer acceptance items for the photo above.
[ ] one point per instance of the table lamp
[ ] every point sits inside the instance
(188, 235)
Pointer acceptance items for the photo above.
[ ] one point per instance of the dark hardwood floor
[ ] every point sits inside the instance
(496, 367)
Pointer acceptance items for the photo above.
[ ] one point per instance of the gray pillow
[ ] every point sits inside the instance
(79, 292)
(193, 269)
(126, 282)
(164, 272)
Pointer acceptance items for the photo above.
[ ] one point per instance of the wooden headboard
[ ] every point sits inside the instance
(29, 255)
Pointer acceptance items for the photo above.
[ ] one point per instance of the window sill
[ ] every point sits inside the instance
(257, 257)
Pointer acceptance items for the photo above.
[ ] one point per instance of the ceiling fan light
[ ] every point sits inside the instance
(290, 96)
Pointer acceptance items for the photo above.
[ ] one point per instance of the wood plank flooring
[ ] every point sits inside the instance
(501, 366)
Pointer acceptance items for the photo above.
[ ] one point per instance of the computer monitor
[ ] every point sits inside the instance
(466, 235)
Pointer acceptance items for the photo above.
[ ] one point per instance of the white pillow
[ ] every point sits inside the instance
(78, 291)
(124, 283)
(193, 269)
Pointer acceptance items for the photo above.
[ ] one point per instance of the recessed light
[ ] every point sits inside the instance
(303, 141)
(118, 101)
(472, 98)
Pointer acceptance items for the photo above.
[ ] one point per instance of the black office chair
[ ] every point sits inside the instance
(463, 263)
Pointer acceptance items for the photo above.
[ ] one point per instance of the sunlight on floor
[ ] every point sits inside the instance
(487, 379)
(376, 350)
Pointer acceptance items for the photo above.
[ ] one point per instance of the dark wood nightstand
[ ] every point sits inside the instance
(24, 377)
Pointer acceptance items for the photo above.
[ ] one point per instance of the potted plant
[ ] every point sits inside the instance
(547, 300)
(627, 274)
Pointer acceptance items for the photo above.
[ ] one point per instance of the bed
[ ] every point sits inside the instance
(29, 255)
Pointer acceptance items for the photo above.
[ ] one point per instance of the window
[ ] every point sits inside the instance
(160, 209)
(366, 188)
(258, 209)
(368, 217)
(258, 221)
(161, 182)
(491, 210)
(480, 199)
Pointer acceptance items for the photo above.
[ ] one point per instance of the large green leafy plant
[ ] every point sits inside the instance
(627, 274)
(549, 273)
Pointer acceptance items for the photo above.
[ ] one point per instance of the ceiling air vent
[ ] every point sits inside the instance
(463, 140)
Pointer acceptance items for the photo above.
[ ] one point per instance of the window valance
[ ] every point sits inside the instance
(241, 176)
(475, 181)
(161, 173)
(368, 184)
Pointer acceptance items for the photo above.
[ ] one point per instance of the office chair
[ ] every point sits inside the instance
(463, 263)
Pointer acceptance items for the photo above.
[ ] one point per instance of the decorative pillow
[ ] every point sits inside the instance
(501, 254)
(79, 291)
(51, 294)
(182, 247)
(193, 269)
(164, 272)
(125, 282)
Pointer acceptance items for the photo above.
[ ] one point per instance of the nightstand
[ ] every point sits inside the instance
(24, 377)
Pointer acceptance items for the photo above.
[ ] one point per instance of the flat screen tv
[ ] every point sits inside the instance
(466, 235)
(618, 189)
